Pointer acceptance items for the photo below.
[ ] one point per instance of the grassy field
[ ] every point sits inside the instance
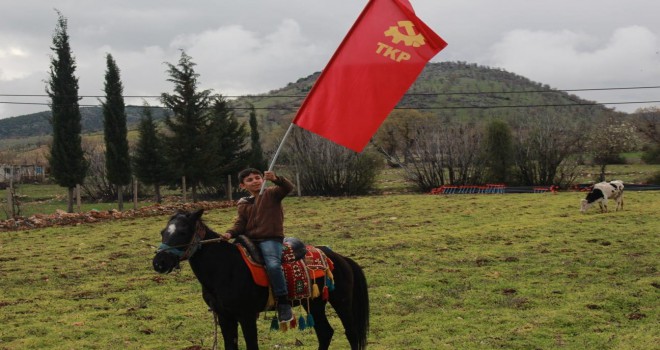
(523, 271)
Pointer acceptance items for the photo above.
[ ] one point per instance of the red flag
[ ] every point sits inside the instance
(378, 60)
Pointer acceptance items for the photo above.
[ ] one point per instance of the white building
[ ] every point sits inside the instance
(21, 173)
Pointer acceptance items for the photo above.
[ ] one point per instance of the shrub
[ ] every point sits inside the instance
(654, 179)
(651, 155)
(328, 169)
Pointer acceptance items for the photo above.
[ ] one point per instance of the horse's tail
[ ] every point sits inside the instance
(360, 303)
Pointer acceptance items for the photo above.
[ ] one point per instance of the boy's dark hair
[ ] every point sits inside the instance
(247, 172)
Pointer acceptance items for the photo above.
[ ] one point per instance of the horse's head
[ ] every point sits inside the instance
(179, 240)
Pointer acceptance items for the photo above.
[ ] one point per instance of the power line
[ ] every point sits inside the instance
(545, 91)
(402, 108)
(409, 94)
(531, 106)
(576, 104)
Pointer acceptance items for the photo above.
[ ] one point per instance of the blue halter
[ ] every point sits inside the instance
(174, 250)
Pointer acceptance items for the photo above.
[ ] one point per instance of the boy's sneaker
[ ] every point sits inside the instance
(284, 313)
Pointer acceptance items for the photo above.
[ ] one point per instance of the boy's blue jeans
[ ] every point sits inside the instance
(271, 250)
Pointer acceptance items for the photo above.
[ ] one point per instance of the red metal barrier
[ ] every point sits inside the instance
(469, 189)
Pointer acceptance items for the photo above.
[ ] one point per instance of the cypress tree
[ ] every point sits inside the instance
(67, 163)
(188, 124)
(117, 160)
(227, 141)
(256, 152)
(149, 161)
(499, 150)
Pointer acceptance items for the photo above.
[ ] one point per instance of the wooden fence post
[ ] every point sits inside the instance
(183, 186)
(78, 196)
(135, 193)
(120, 197)
(298, 184)
(10, 199)
(229, 189)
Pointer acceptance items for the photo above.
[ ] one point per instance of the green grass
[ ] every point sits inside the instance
(521, 271)
(35, 193)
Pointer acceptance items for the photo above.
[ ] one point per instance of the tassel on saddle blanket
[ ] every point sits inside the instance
(302, 266)
(300, 274)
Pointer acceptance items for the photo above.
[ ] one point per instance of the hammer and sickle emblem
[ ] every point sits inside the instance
(410, 38)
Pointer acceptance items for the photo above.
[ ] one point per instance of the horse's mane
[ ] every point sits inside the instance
(210, 233)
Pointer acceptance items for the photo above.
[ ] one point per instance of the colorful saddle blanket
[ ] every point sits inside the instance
(300, 274)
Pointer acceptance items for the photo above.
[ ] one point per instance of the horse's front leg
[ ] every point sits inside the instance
(229, 330)
(249, 328)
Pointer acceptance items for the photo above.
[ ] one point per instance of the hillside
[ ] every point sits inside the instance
(448, 89)
(38, 124)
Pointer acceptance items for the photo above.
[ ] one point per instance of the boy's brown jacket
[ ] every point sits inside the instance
(262, 217)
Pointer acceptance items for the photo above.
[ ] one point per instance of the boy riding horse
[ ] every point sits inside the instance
(261, 219)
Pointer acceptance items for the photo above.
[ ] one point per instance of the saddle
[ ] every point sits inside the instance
(302, 265)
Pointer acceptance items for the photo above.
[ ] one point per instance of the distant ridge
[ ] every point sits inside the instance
(38, 124)
(447, 89)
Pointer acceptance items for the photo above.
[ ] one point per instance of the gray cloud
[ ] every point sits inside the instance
(628, 56)
(254, 46)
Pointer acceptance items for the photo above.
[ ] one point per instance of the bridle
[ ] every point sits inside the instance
(192, 247)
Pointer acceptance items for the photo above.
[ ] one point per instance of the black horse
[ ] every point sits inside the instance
(229, 290)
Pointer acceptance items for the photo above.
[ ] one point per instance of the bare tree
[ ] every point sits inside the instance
(647, 122)
(97, 187)
(397, 134)
(609, 138)
(568, 172)
(328, 169)
(543, 141)
(461, 144)
(426, 168)
(443, 152)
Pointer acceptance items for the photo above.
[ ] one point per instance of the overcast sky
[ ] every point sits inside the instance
(254, 46)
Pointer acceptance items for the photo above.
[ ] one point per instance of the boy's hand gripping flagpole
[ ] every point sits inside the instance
(383, 53)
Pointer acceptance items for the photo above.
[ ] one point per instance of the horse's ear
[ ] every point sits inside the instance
(197, 214)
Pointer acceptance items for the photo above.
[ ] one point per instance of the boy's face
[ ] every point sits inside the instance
(252, 183)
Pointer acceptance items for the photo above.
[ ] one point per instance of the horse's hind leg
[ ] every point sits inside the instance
(249, 328)
(322, 327)
(229, 329)
(345, 314)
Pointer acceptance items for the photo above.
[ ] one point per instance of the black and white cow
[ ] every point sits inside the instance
(603, 191)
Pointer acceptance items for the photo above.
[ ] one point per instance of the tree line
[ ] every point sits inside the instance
(201, 143)
(547, 147)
